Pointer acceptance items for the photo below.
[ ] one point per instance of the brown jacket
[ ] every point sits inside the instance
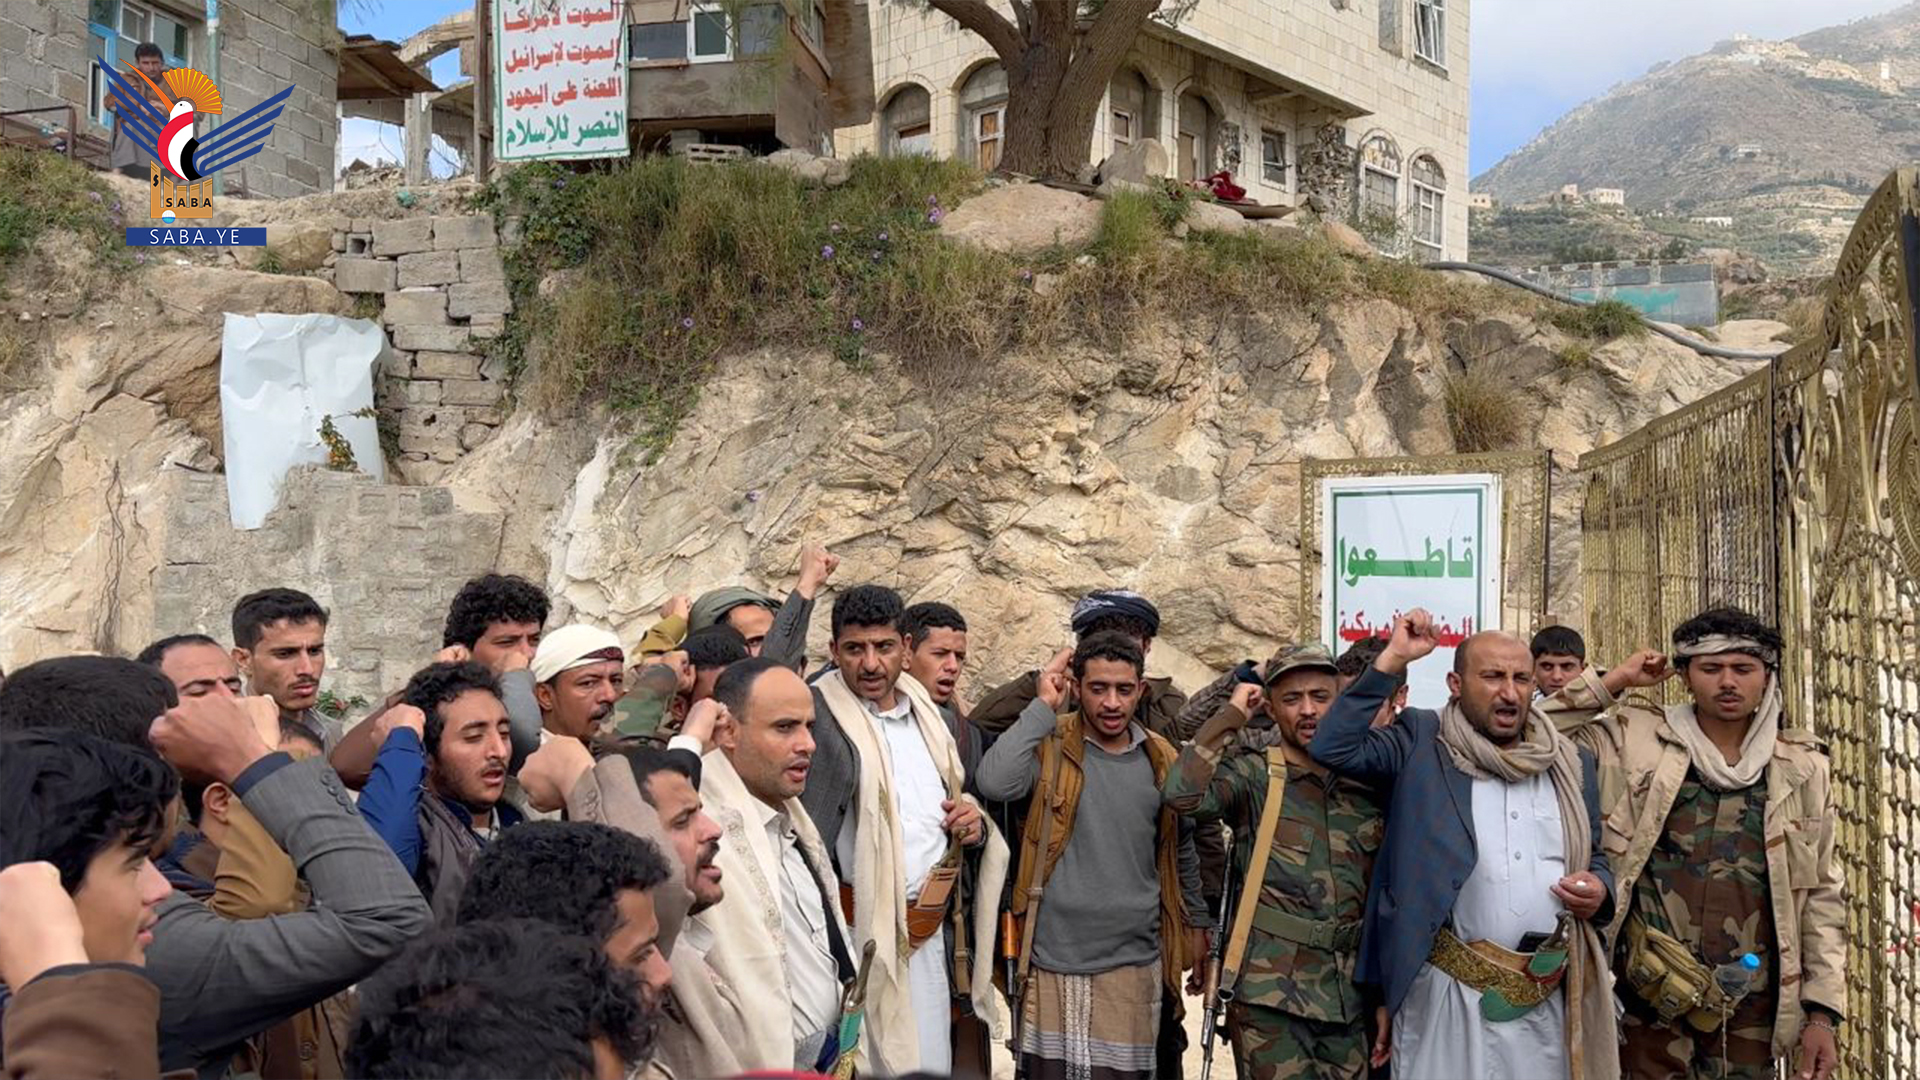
(83, 1021)
(1057, 792)
(1803, 870)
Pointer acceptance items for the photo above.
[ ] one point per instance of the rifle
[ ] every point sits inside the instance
(1009, 938)
(1216, 996)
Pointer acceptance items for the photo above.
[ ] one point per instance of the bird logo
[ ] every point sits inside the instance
(187, 156)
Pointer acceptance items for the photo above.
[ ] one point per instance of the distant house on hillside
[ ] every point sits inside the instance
(1607, 196)
(1479, 200)
(1273, 93)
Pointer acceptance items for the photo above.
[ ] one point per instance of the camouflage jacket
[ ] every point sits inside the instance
(1324, 845)
(1585, 712)
(644, 714)
(1801, 874)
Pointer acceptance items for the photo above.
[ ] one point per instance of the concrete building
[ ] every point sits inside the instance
(1607, 196)
(1479, 200)
(763, 76)
(1364, 106)
(258, 47)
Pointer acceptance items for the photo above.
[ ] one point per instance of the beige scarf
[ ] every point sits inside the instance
(1756, 750)
(749, 936)
(1593, 1045)
(706, 1027)
(880, 883)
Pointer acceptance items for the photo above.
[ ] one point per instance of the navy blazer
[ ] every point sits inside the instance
(1429, 851)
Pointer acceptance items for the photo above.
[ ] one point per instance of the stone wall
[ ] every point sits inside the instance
(443, 293)
(264, 45)
(383, 559)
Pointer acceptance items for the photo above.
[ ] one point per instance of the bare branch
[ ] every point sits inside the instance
(979, 17)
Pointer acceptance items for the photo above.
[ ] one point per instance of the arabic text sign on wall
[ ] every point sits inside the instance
(560, 79)
(1393, 544)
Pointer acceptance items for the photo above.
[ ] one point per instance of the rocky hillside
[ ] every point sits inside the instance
(1783, 137)
(1168, 461)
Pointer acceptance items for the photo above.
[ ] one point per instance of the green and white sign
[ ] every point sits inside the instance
(559, 79)
(1394, 543)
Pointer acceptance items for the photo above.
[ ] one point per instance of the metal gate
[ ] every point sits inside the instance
(1796, 493)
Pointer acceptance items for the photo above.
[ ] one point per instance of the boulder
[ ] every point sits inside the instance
(1020, 219)
(1346, 238)
(830, 172)
(1211, 216)
(1143, 162)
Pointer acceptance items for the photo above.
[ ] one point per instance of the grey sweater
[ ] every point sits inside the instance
(1101, 908)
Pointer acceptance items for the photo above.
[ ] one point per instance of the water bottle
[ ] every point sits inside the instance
(1736, 977)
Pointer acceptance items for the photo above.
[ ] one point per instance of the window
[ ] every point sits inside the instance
(709, 36)
(987, 134)
(1429, 199)
(1131, 107)
(906, 126)
(1273, 156)
(116, 28)
(1379, 192)
(814, 23)
(983, 116)
(657, 41)
(1194, 138)
(1430, 31)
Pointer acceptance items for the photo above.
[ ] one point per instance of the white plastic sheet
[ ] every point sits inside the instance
(280, 376)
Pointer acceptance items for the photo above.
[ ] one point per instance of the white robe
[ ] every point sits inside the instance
(1439, 1033)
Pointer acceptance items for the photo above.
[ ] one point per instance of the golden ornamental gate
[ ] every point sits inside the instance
(1796, 493)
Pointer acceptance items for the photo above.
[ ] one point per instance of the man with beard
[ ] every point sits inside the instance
(1107, 887)
(495, 620)
(1304, 864)
(1483, 918)
(435, 793)
(578, 673)
(280, 646)
(778, 936)
(584, 878)
(888, 794)
(653, 795)
(1724, 843)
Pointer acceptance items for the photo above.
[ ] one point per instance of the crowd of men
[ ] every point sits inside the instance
(553, 854)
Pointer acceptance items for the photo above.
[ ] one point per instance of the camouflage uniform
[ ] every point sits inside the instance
(1726, 873)
(1297, 1012)
(644, 714)
(1705, 883)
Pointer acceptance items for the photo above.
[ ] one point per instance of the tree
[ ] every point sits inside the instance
(1059, 57)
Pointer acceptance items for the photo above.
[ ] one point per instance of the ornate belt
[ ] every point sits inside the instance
(1510, 983)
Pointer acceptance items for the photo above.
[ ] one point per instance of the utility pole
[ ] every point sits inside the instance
(483, 91)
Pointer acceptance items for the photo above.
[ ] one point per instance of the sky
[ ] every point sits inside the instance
(1533, 60)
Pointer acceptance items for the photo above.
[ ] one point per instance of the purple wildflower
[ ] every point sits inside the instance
(858, 325)
(753, 496)
(1026, 275)
(835, 227)
(559, 181)
(686, 323)
(934, 216)
(883, 236)
(933, 200)
(876, 256)
(827, 252)
(139, 256)
(94, 195)
(116, 207)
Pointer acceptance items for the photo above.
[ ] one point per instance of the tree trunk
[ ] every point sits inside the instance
(1056, 76)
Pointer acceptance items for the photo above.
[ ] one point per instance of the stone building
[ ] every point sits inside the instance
(1364, 105)
(254, 51)
(1607, 196)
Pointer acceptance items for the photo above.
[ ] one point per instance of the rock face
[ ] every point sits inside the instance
(1172, 467)
(1019, 219)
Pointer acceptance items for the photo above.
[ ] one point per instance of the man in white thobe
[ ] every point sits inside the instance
(885, 791)
(1480, 927)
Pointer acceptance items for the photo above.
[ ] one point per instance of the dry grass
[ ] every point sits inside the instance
(1802, 316)
(1483, 413)
(673, 265)
(1601, 321)
(18, 346)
